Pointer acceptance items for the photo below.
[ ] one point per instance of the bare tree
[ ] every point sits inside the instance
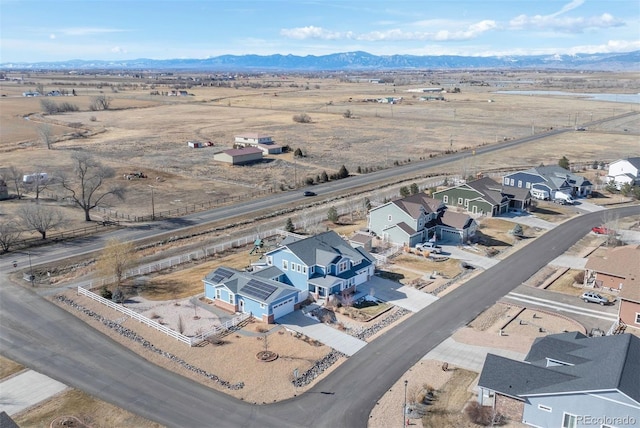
(14, 175)
(87, 185)
(41, 218)
(115, 259)
(101, 102)
(9, 235)
(37, 183)
(46, 134)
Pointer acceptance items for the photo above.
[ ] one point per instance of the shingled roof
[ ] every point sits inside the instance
(325, 248)
(413, 204)
(568, 362)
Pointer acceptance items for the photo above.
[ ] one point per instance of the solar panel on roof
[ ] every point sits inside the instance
(259, 289)
(220, 275)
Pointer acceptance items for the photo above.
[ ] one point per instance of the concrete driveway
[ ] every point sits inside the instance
(338, 340)
(27, 389)
(397, 294)
(527, 219)
(468, 357)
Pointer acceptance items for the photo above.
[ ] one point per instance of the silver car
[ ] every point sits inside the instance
(591, 297)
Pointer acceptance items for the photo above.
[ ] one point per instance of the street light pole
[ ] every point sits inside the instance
(153, 205)
(31, 277)
(404, 409)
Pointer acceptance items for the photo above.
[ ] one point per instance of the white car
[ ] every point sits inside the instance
(429, 246)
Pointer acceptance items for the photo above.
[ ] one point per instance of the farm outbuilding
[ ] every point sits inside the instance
(239, 156)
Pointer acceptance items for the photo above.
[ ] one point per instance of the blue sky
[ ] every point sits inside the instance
(59, 30)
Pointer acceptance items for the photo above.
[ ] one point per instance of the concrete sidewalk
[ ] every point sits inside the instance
(469, 357)
(297, 321)
(27, 389)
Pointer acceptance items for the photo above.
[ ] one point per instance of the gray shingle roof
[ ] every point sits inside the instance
(325, 248)
(414, 204)
(598, 363)
(489, 189)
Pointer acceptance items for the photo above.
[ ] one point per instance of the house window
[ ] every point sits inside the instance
(304, 269)
(231, 298)
(217, 294)
(569, 420)
(637, 317)
(312, 269)
(293, 267)
(389, 218)
(543, 407)
(519, 183)
(466, 203)
(285, 265)
(445, 199)
(262, 306)
(528, 185)
(459, 201)
(512, 181)
(506, 181)
(298, 268)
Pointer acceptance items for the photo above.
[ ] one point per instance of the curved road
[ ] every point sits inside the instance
(48, 339)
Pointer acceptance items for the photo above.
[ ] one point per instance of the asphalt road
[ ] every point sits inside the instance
(44, 337)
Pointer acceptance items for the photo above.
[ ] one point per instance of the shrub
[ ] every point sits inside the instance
(332, 215)
(106, 293)
(579, 277)
(482, 415)
(302, 118)
(118, 296)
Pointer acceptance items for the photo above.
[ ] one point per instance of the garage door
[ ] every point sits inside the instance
(450, 235)
(283, 308)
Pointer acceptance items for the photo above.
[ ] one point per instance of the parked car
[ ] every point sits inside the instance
(310, 193)
(591, 297)
(603, 230)
(429, 246)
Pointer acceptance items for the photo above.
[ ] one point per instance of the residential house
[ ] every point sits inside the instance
(567, 380)
(239, 156)
(618, 270)
(417, 218)
(263, 142)
(482, 196)
(364, 240)
(549, 179)
(259, 293)
(322, 265)
(624, 171)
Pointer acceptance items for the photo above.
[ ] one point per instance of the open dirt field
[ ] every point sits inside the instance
(143, 132)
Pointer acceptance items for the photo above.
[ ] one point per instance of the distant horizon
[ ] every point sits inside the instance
(36, 31)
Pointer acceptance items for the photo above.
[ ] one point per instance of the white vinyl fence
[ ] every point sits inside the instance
(191, 341)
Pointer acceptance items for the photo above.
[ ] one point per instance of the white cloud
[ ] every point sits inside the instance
(118, 50)
(557, 22)
(311, 32)
(472, 31)
(87, 31)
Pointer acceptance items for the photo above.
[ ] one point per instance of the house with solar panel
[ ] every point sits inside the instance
(260, 293)
(318, 266)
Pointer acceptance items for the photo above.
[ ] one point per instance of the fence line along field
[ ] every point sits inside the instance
(146, 130)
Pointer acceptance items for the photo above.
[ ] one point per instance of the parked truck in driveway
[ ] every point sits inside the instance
(563, 198)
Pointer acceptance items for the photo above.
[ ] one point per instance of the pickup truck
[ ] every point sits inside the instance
(429, 246)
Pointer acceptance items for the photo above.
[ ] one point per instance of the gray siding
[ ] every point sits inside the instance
(596, 405)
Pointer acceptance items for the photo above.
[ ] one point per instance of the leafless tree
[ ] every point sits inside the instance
(9, 235)
(38, 182)
(115, 259)
(87, 185)
(14, 175)
(46, 134)
(101, 102)
(41, 218)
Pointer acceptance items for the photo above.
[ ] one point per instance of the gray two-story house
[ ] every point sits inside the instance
(567, 380)
(417, 218)
(482, 196)
(549, 180)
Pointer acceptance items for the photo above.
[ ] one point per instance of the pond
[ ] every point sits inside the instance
(616, 98)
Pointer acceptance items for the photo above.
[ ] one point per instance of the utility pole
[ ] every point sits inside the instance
(404, 409)
(153, 205)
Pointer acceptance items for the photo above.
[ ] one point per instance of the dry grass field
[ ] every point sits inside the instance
(141, 132)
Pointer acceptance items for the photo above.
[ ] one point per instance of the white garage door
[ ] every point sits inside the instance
(283, 308)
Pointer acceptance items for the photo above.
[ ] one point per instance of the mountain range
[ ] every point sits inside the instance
(352, 61)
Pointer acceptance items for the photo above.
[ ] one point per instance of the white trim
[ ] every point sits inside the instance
(575, 424)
